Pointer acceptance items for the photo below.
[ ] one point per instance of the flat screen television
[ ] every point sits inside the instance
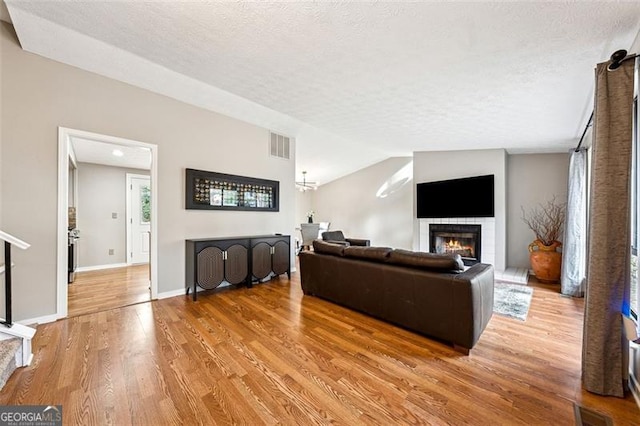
(466, 197)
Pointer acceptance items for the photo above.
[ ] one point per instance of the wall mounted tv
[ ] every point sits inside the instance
(466, 197)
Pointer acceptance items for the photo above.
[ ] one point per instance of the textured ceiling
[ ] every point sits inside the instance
(358, 82)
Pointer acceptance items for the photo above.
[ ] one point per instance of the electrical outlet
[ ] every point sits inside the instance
(114, 215)
(111, 252)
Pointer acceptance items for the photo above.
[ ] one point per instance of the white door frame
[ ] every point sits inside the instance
(64, 141)
(131, 176)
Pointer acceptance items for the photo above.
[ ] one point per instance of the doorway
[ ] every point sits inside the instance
(103, 272)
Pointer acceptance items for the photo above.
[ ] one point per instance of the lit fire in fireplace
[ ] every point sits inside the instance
(455, 246)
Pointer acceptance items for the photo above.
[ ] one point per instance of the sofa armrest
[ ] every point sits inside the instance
(342, 243)
(358, 242)
(473, 308)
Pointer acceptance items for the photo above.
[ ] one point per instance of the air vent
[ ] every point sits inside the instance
(279, 146)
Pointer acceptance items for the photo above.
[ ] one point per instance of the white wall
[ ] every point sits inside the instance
(351, 204)
(101, 192)
(531, 179)
(442, 165)
(39, 95)
(303, 206)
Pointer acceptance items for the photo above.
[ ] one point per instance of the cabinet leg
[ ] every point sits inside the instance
(249, 283)
(289, 275)
(195, 293)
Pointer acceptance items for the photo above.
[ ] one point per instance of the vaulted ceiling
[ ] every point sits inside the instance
(354, 83)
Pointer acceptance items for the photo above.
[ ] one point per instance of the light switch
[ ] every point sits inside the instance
(111, 252)
(114, 215)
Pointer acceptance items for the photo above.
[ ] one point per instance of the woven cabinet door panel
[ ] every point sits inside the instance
(236, 265)
(281, 257)
(210, 268)
(261, 260)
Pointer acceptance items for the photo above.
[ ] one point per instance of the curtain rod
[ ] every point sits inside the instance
(585, 132)
(617, 58)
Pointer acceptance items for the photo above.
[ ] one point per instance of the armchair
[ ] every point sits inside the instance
(309, 233)
(337, 237)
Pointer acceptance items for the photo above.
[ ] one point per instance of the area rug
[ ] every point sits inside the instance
(512, 300)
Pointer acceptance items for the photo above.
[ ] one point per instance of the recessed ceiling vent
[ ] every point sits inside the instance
(279, 146)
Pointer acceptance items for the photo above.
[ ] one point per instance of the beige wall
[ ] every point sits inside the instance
(1, 141)
(39, 95)
(531, 179)
(351, 205)
(101, 192)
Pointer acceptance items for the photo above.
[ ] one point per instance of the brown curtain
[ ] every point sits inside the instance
(604, 365)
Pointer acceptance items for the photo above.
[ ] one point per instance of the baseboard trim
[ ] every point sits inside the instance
(100, 267)
(38, 320)
(183, 291)
(172, 293)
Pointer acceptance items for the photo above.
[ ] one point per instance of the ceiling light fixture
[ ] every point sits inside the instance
(304, 185)
(117, 153)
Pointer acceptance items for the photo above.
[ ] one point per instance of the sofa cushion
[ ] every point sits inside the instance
(438, 262)
(328, 248)
(380, 254)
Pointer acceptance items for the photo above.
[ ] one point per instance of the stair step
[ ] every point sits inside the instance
(8, 350)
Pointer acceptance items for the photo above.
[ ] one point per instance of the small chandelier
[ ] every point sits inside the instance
(304, 185)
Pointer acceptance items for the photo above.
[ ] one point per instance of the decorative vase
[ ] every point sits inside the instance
(310, 219)
(546, 261)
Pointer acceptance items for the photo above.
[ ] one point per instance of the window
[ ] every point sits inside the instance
(145, 204)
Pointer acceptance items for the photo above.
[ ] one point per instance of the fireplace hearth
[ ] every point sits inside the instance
(456, 238)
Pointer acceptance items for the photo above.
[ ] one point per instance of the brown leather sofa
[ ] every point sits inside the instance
(428, 293)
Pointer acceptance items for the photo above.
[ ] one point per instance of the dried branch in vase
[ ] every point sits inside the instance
(546, 220)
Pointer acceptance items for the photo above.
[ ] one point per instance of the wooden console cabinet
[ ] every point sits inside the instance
(236, 260)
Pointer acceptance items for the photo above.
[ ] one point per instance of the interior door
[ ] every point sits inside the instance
(140, 219)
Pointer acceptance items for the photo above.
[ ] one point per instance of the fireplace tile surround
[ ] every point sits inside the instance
(488, 234)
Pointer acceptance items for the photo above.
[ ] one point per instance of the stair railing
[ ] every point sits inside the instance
(9, 240)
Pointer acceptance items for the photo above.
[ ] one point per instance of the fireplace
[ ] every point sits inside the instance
(456, 238)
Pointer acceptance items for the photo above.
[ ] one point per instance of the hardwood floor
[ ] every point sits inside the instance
(96, 291)
(269, 355)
